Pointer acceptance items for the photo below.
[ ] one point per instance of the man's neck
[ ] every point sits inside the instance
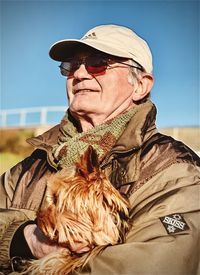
(88, 121)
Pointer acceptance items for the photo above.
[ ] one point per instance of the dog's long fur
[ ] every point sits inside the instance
(81, 206)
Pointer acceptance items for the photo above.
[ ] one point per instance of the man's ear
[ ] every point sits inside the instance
(143, 87)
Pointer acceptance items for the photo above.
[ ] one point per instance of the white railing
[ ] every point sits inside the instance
(27, 117)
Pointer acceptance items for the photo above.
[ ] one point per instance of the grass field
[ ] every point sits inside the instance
(7, 160)
(13, 147)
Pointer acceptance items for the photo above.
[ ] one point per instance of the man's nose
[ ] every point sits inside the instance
(82, 72)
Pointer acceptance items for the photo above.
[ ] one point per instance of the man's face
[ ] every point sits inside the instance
(99, 94)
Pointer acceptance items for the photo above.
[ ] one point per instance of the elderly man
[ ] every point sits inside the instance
(109, 78)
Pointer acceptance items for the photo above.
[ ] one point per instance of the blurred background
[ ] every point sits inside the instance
(33, 96)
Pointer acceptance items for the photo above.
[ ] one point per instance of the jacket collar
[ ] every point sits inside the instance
(140, 127)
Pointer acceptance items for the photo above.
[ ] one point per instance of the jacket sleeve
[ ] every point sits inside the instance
(149, 248)
(10, 222)
(10, 219)
(8, 182)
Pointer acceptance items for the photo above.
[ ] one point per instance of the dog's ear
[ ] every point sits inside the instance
(92, 159)
(88, 162)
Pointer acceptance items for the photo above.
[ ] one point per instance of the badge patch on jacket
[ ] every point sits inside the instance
(174, 223)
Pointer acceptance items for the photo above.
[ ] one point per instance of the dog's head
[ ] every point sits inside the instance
(82, 205)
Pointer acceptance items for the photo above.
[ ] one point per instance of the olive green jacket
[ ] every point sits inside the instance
(159, 175)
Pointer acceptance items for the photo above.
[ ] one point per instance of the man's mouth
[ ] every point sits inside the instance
(80, 91)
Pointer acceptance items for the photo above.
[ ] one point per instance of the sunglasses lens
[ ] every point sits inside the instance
(65, 68)
(93, 66)
(96, 69)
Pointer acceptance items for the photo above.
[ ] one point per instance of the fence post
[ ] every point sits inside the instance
(43, 116)
(22, 121)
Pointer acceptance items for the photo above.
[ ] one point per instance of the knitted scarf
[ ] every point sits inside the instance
(71, 143)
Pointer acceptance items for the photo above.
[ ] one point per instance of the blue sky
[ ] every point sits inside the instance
(29, 78)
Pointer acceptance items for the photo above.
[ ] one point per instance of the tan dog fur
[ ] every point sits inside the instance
(82, 207)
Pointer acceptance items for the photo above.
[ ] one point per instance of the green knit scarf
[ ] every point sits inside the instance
(72, 144)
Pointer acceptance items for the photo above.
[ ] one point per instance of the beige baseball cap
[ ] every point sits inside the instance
(111, 39)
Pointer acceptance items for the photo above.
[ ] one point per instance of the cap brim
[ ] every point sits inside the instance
(64, 49)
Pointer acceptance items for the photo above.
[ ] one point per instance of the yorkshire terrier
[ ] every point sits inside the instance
(81, 207)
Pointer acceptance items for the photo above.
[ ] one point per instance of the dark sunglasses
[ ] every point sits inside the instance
(94, 65)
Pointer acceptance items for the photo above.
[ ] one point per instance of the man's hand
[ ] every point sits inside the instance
(38, 242)
(40, 245)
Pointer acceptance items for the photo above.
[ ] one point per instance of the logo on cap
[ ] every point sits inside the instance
(90, 36)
